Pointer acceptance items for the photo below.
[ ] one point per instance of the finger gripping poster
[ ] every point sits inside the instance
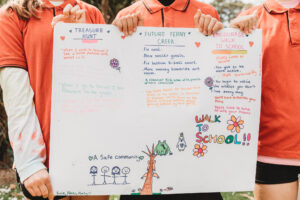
(167, 110)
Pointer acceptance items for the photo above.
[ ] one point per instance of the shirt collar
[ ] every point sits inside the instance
(273, 7)
(154, 5)
(47, 4)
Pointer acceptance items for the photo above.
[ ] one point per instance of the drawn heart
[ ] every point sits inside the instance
(123, 37)
(197, 44)
(90, 158)
(251, 43)
(62, 37)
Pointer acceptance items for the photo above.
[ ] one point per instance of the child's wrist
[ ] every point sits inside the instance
(29, 170)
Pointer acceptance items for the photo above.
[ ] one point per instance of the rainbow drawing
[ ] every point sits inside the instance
(229, 52)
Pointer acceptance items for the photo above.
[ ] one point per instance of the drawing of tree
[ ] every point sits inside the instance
(147, 188)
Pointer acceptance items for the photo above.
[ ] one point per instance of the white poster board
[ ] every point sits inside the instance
(164, 111)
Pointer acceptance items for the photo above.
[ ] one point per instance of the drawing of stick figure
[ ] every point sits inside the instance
(125, 171)
(94, 172)
(105, 170)
(115, 171)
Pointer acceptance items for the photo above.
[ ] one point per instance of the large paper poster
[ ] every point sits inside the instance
(164, 111)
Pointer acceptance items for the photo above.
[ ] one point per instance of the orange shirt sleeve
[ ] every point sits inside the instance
(216, 15)
(95, 15)
(11, 40)
(135, 8)
(99, 19)
(210, 10)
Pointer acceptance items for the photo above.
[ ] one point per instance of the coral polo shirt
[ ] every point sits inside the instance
(179, 14)
(279, 125)
(29, 45)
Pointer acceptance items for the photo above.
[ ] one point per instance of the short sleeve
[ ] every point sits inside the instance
(134, 8)
(213, 12)
(11, 40)
(94, 14)
(216, 15)
(209, 10)
(99, 19)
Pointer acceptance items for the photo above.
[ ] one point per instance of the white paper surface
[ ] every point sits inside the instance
(194, 101)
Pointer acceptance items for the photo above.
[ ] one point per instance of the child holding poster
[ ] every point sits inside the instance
(278, 163)
(26, 74)
(170, 13)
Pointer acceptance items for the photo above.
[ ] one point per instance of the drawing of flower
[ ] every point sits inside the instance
(114, 63)
(209, 82)
(200, 150)
(235, 124)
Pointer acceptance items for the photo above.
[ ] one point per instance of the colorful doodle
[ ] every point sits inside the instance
(208, 118)
(200, 150)
(181, 145)
(246, 139)
(163, 149)
(235, 124)
(151, 172)
(209, 82)
(219, 139)
(114, 63)
(205, 128)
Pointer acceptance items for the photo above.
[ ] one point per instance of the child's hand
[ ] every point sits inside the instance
(39, 185)
(246, 24)
(206, 23)
(128, 24)
(70, 15)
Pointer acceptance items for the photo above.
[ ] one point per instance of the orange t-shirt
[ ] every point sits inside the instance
(29, 45)
(179, 14)
(279, 125)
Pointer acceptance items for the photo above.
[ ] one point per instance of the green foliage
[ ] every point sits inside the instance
(2, 2)
(238, 195)
(5, 150)
(11, 192)
(229, 9)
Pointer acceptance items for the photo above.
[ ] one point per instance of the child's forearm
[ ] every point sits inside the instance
(23, 126)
